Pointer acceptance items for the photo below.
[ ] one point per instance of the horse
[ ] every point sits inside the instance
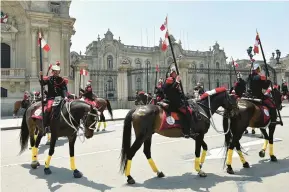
(103, 104)
(143, 98)
(18, 105)
(150, 119)
(251, 113)
(67, 119)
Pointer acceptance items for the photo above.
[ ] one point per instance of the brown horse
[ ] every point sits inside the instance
(254, 114)
(150, 119)
(67, 119)
(18, 105)
(102, 105)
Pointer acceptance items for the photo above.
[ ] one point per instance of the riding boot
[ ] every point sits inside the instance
(46, 119)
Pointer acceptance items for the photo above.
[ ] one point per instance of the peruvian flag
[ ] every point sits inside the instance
(44, 45)
(157, 68)
(256, 45)
(83, 72)
(235, 64)
(164, 45)
(164, 25)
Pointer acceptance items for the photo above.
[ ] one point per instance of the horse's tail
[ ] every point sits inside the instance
(228, 137)
(24, 134)
(109, 108)
(126, 139)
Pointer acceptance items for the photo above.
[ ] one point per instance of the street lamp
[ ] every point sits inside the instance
(147, 63)
(278, 55)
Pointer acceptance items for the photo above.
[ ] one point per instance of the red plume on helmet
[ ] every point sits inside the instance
(90, 81)
(57, 63)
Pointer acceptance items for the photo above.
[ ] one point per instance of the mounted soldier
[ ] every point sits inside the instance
(177, 101)
(26, 99)
(259, 82)
(240, 85)
(88, 95)
(57, 87)
(284, 88)
(200, 88)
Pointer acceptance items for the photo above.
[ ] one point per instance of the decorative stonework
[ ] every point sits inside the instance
(22, 86)
(12, 86)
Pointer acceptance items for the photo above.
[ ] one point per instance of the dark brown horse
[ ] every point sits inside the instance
(102, 105)
(251, 114)
(150, 119)
(18, 105)
(143, 98)
(67, 119)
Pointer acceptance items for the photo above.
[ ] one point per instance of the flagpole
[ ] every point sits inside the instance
(79, 83)
(267, 74)
(41, 76)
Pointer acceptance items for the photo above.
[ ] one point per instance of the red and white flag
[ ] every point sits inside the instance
(235, 64)
(164, 25)
(44, 45)
(256, 45)
(165, 44)
(83, 72)
(157, 68)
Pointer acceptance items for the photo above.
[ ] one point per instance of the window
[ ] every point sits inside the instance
(218, 83)
(3, 92)
(217, 65)
(110, 84)
(109, 62)
(5, 55)
(201, 66)
(138, 84)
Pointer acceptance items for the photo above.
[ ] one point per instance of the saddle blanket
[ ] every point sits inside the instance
(262, 120)
(170, 120)
(37, 112)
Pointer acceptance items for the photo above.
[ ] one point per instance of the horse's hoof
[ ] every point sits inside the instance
(262, 153)
(77, 174)
(246, 165)
(230, 170)
(202, 174)
(47, 143)
(130, 180)
(47, 171)
(35, 164)
(160, 174)
(273, 158)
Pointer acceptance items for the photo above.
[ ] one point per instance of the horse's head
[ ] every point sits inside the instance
(277, 96)
(88, 114)
(142, 98)
(219, 97)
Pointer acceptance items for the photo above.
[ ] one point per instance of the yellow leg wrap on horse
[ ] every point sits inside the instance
(127, 168)
(241, 157)
(48, 136)
(271, 149)
(104, 125)
(265, 144)
(197, 164)
(34, 153)
(98, 126)
(72, 164)
(203, 156)
(35, 137)
(47, 162)
(229, 157)
(153, 165)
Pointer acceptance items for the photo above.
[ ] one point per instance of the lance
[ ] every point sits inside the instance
(156, 80)
(41, 76)
(177, 69)
(233, 63)
(267, 74)
(48, 69)
(79, 82)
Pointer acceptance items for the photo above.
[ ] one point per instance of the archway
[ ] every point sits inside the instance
(5, 56)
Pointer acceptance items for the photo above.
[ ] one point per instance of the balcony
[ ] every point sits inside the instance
(13, 73)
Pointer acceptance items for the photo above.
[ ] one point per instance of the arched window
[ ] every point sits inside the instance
(3, 92)
(217, 65)
(109, 62)
(218, 83)
(201, 66)
(110, 84)
(138, 84)
(5, 56)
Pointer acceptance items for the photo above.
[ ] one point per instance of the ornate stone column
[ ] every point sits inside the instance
(13, 51)
(184, 74)
(34, 67)
(122, 84)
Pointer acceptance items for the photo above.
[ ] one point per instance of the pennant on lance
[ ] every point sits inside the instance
(44, 45)
(256, 45)
(164, 25)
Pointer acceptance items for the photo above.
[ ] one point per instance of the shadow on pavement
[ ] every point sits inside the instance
(61, 176)
(59, 142)
(255, 174)
(102, 132)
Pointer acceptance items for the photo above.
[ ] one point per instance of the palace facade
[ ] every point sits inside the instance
(20, 64)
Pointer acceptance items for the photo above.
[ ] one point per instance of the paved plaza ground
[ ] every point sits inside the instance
(98, 159)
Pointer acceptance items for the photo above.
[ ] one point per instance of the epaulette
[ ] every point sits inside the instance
(65, 80)
(169, 80)
(45, 78)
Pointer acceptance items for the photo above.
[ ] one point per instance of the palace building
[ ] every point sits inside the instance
(20, 64)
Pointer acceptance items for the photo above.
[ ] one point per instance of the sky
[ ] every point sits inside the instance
(199, 24)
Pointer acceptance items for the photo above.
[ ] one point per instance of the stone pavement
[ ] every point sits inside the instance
(98, 159)
(11, 123)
